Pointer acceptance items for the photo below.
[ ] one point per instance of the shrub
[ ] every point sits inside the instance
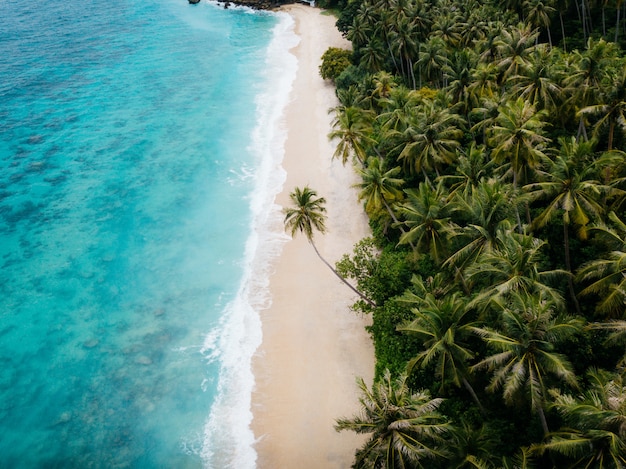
(335, 61)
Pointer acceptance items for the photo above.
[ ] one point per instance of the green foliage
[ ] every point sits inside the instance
(393, 349)
(334, 62)
(379, 274)
(349, 76)
(347, 13)
(496, 117)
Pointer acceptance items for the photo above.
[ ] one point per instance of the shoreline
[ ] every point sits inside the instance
(313, 345)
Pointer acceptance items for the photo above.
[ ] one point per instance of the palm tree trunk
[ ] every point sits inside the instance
(584, 22)
(542, 418)
(568, 266)
(412, 73)
(519, 220)
(459, 275)
(361, 295)
(563, 30)
(549, 36)
(582, 129)
(470, 389)
(395, 220)
(617, 24)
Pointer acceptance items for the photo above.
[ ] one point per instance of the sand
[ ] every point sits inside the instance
(313, 345)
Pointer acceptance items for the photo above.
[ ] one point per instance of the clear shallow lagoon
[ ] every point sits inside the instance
(140, 145)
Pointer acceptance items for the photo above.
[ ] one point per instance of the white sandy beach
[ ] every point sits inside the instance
(313, 346)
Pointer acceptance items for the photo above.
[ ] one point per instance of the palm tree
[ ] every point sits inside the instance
(514, 47)
(444, 325)
(486, 210)
(608, 273)
(405, 46)
(595, 436)
(379, 187)
(427, 220)
(613, 108)
(307, 216)
(447, 26)
(397, 108)
(518, 138)
(483, 84)
(524, 350)
(521, 460)
(474, 447)
(384, 84)
(372, 56)
(363, 26)
(587, 73)
(473, 165)
(562, 6)
(406, 428)
(538, 13)
(573, 193)
(617, 328)
(432, 58)
(474, 28)
(459, 77)
(431, 139)
(512, 269)
(538, 84)
(352, 127)
(438, 286)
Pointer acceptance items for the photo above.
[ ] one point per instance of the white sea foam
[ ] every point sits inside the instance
(228, 438)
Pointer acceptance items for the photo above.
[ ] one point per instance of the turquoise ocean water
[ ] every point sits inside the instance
(140, 149)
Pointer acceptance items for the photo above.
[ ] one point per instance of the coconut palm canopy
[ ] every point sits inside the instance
(490, 142)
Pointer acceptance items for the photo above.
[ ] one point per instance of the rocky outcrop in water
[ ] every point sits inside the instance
(256, 4)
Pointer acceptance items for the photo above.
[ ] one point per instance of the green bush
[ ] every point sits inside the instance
(335, 61)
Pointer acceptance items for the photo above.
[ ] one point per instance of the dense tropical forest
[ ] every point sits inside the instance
(490, 139)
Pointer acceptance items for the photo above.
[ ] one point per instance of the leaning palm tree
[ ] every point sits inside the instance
(307, 216)
(595, 436)
(524, 350)
(406, 428)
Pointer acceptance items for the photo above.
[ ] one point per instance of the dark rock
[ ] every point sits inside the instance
(193, 2)
(261, 4)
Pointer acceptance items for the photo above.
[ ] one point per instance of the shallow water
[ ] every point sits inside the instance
(130, 165)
